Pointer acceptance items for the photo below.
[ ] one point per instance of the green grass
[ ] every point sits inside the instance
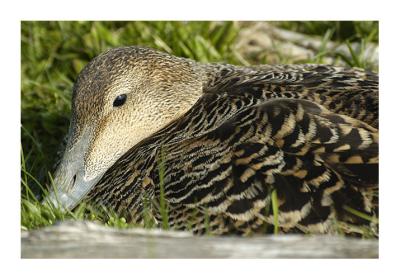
(275, 210)
(53, 53)
(354, 31)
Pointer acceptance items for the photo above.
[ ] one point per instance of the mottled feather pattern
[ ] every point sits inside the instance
(309, 132)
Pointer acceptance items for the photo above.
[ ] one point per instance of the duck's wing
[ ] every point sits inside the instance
(349, 91)
(316, 161)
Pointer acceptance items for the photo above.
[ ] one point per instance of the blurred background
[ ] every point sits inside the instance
(53, 54)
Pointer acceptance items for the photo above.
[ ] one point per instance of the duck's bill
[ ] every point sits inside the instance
(68, 196)
(70, 184)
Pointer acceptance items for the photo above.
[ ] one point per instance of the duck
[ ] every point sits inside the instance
(219, 148)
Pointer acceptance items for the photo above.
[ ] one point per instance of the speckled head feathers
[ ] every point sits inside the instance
(140, 73)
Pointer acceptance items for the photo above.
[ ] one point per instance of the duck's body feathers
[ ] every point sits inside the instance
(307, 132)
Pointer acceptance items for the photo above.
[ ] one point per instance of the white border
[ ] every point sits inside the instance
(14, 267)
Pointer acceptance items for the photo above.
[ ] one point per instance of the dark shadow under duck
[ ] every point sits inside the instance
(215, 141)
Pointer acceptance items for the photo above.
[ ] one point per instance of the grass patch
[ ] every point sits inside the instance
(361, 215)
(353, 31)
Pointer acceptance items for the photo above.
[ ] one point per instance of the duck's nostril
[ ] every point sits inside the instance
(74, 180)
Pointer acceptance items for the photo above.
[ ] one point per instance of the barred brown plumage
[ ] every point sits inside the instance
(228, 136)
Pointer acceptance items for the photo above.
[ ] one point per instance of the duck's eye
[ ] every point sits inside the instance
(119, 100)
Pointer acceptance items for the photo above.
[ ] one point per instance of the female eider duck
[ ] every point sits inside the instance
(216, 141)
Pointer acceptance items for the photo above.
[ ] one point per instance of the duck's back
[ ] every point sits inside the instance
(349, 91)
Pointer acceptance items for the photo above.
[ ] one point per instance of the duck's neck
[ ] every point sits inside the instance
(210, 73)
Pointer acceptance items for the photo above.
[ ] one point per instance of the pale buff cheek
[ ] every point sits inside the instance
(112, 138)
(105, 146)
(125, 127)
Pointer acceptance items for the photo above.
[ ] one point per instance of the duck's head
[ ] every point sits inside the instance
(120, 98)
